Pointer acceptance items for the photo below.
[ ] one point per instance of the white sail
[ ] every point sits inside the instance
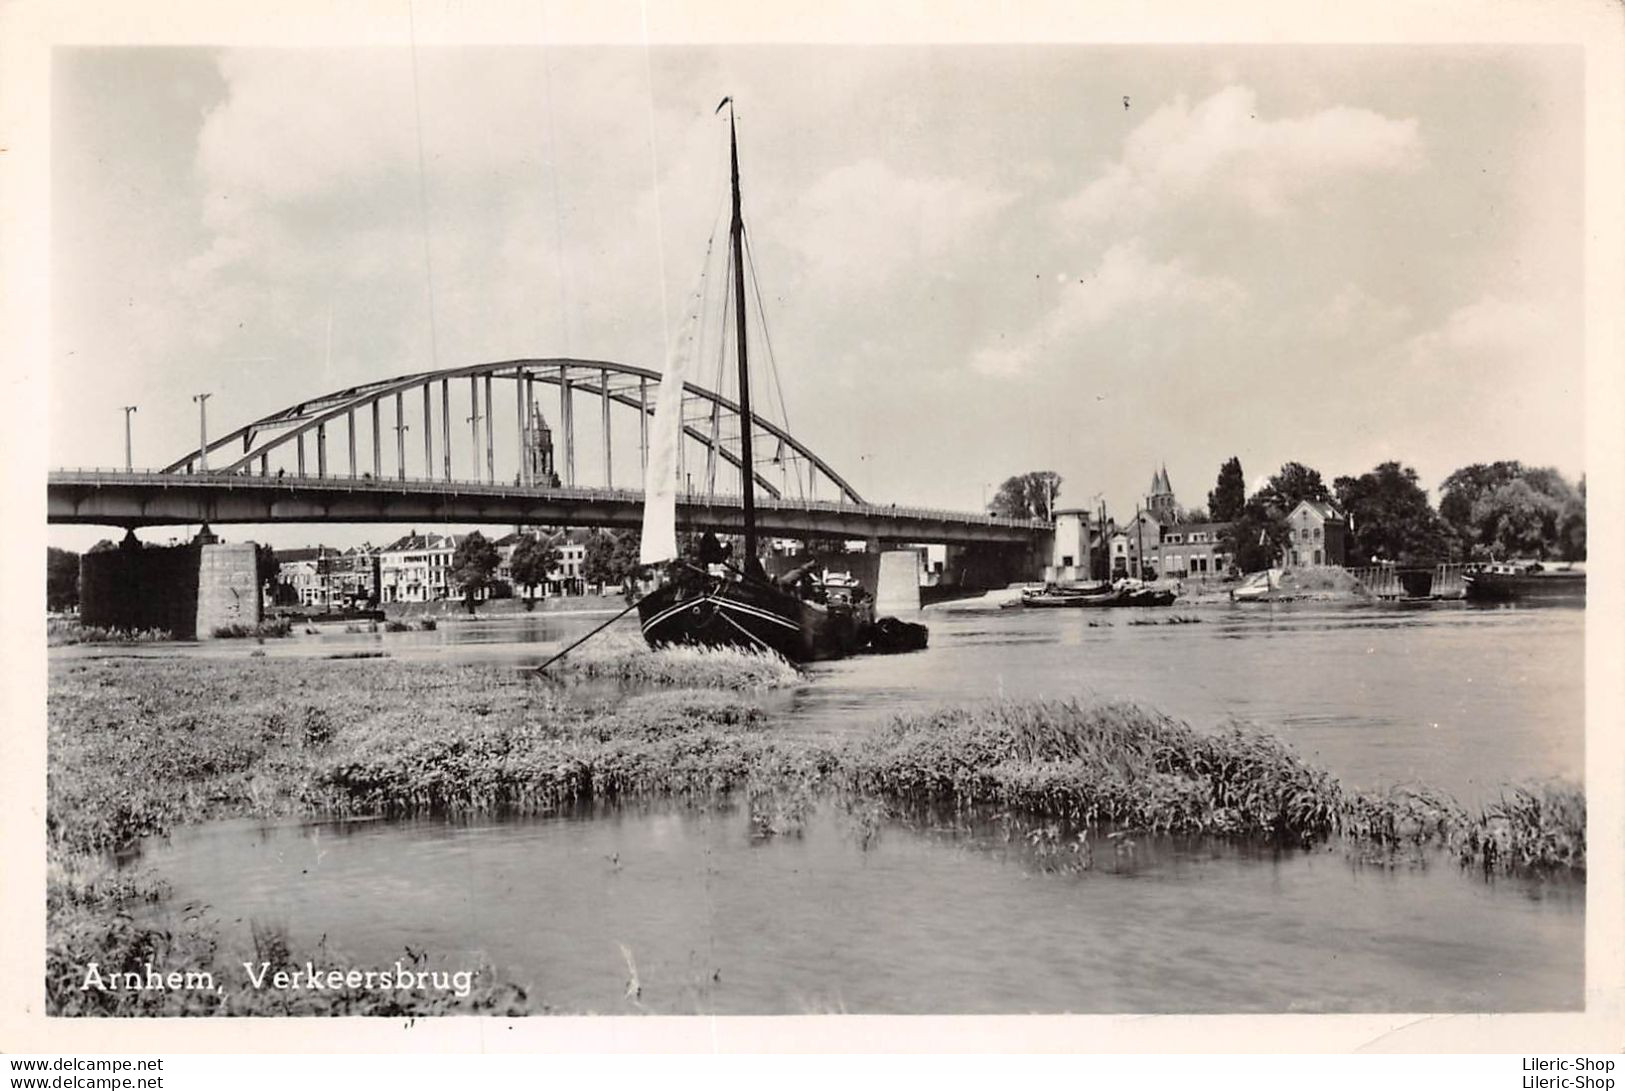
(660, 474)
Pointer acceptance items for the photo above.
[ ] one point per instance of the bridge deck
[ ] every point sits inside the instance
(151, 498)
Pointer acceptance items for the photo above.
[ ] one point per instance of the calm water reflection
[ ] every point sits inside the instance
(937, 919)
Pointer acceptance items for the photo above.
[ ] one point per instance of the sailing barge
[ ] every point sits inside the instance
(720, 603)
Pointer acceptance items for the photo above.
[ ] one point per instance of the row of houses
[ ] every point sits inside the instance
(1157, 544)
(413, 568)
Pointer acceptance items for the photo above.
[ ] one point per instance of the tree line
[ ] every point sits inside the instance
(610, 559)
(1486, 511)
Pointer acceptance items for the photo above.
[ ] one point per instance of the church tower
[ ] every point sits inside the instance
(1160, 502)
(539, 452)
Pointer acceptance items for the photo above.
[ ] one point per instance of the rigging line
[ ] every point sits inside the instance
(720, 376)
(697, 321)
(691, 332)
(767, 338)
(423, 190)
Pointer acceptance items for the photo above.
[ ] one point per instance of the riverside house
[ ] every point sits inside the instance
(1192, 551)
(306, 572)
(416, 568)
(564, 578)
(1317, 533)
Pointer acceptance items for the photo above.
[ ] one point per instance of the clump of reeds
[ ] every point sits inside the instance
(427, 624)
(277, 627)
(1403, 817)
(629, 659)
(1088, 764)
(64, 631)
(1527, 827)
(393, 626)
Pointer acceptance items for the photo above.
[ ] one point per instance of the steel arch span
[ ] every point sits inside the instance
(249, 449)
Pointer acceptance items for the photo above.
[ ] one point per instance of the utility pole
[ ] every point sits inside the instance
(1139, 533)
(202, 431)
(129, 462)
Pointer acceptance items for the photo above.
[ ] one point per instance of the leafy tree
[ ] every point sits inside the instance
(1393, 520)
(1464, 488)
(1489, 518)
(1028, 496)
(533, 558)
(266, 567)
(1517, 520)
(1259, 534)
(61, 579)
(1256, 538)
(1296, 482)
(1229, 493)
(472, 564)
(103, 546)
(1571, 527)
(1195, 515)
(611, 557)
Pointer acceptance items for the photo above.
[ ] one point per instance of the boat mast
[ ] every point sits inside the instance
(747, 464)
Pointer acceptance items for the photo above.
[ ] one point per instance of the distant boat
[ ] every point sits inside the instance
(720, 603)
(1097, 596)
(1524, 582)
(1257, 586)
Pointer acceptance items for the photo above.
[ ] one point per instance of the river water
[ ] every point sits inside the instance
(925, 915)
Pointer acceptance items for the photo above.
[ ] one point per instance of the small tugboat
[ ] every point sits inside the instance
(717, 602)
(1525, 581)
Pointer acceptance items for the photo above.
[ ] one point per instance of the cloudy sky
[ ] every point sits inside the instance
(975, 260)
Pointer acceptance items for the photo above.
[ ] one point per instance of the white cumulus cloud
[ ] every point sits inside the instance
(1128, 286)
(1221, 149)
(865, 222)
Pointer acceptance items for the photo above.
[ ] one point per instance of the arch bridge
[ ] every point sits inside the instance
(351, 456)
(710, 421)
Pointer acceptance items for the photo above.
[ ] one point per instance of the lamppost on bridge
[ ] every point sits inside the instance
(202, 431)
(129, 461)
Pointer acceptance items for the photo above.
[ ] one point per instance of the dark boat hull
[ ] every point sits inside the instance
(1143, 597)
(1525, 587)
(755, 616)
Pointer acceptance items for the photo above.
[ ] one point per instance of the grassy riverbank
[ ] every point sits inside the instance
(140, 747)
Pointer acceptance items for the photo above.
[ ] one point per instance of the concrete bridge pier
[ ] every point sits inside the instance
(897, 588)
(186, 590)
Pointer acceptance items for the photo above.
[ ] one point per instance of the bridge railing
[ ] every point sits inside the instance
(112, 476)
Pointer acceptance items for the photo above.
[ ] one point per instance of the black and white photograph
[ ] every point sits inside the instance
(647, 524)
